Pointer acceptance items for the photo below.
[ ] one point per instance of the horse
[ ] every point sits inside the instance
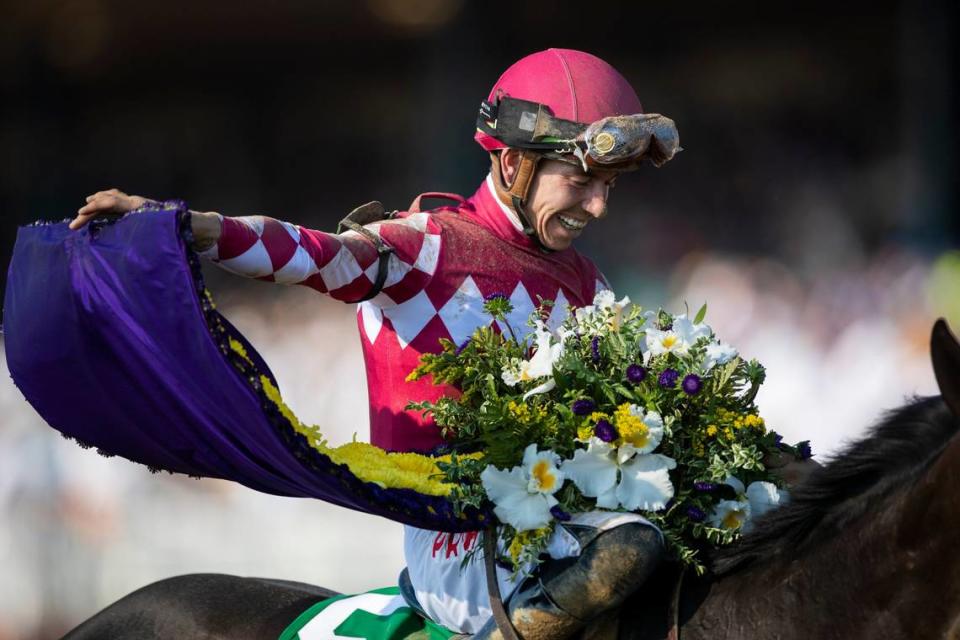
(867, 547)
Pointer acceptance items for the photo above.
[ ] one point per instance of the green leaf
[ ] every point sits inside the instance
(701, 314)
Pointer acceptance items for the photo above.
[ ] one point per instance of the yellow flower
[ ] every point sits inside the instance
(756, 422)
(631, 426)
(523, 414)
(711, 430)
(728, 433)
(524, 538)
(597, 415)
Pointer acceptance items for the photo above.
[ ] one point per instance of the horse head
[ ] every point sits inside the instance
(945, 354)
(868, 545)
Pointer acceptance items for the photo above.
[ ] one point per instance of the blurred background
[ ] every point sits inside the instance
(814, 208)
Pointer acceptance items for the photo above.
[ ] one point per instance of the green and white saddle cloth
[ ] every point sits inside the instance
(381, 614)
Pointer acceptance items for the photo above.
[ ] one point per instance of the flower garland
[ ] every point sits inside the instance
(616, 409)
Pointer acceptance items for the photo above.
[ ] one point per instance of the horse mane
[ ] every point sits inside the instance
(894, 453)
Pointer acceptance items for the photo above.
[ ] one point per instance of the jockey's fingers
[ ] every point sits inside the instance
(80, 221)
(106, 203)
(106, 192)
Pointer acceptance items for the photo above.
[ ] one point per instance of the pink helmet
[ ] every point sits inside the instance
(576, 86)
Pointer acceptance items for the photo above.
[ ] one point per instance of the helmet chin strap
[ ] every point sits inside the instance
(518, 190)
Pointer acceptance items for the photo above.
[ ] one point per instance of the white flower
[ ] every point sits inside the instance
(546, 355)
(753, 501)
(606, 309)
(622, 476)
(522, 496)
(677, 339)
(604, 299)
(540, 365)
(730, 514)
(511, 373)
(718, 353)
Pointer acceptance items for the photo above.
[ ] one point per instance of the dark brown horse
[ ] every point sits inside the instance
(869, 547)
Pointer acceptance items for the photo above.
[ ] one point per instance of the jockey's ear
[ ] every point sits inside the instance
(945, 353)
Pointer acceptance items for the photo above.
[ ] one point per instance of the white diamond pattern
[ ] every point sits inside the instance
(522, 308)
(300, 267)
(254, 222)
(341, 270)
(411, 317)
(372, 319)
(463, 313)
(559, 312)
(429, 254)
(599, 286)
(292, 230)
(418, 221)
(252, 263)
(396, 269)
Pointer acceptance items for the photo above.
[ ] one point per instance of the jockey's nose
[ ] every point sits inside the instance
(595, 203)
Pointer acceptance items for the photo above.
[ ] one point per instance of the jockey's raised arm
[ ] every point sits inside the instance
(345, 265)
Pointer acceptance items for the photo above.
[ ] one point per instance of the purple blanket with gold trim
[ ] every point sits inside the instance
(111, 336)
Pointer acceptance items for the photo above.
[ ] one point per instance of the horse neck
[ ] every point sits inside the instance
(893, 572)
(928, 543)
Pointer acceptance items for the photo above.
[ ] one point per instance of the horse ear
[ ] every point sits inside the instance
(945, 353)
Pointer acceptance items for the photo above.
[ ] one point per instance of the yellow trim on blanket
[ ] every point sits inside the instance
(366, 461)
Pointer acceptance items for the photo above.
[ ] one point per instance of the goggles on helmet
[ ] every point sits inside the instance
(614, 143)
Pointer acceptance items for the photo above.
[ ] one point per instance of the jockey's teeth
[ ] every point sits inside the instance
(570, 223)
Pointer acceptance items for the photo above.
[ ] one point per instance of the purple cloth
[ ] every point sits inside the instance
(109, 337)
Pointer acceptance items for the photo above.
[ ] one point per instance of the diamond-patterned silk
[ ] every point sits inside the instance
(445, 263)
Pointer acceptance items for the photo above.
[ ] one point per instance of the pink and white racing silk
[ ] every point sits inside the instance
(445, 262)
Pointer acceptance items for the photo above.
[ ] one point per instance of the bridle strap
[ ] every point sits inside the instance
(674, 611)
(493, 588)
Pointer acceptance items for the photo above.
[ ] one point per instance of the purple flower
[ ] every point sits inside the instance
(495, 296)
(691, 384)
(668, 379)
(462, 346)
(559, 513)
(805, 451)
(595, 349)
(705, 486)
(636, 373)
(605, 431)
(582, 407)
(778, 442)
(695, 514)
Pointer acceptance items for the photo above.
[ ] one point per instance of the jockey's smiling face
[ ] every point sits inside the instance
(562, 200)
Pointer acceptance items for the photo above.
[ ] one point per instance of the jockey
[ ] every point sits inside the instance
(560, 126)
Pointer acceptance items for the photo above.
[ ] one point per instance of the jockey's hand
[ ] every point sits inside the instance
(112, 202)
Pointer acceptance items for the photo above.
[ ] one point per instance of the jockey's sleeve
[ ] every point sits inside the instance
(345, 265)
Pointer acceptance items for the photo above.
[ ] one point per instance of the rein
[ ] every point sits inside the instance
(673, 613)
(493, 589)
